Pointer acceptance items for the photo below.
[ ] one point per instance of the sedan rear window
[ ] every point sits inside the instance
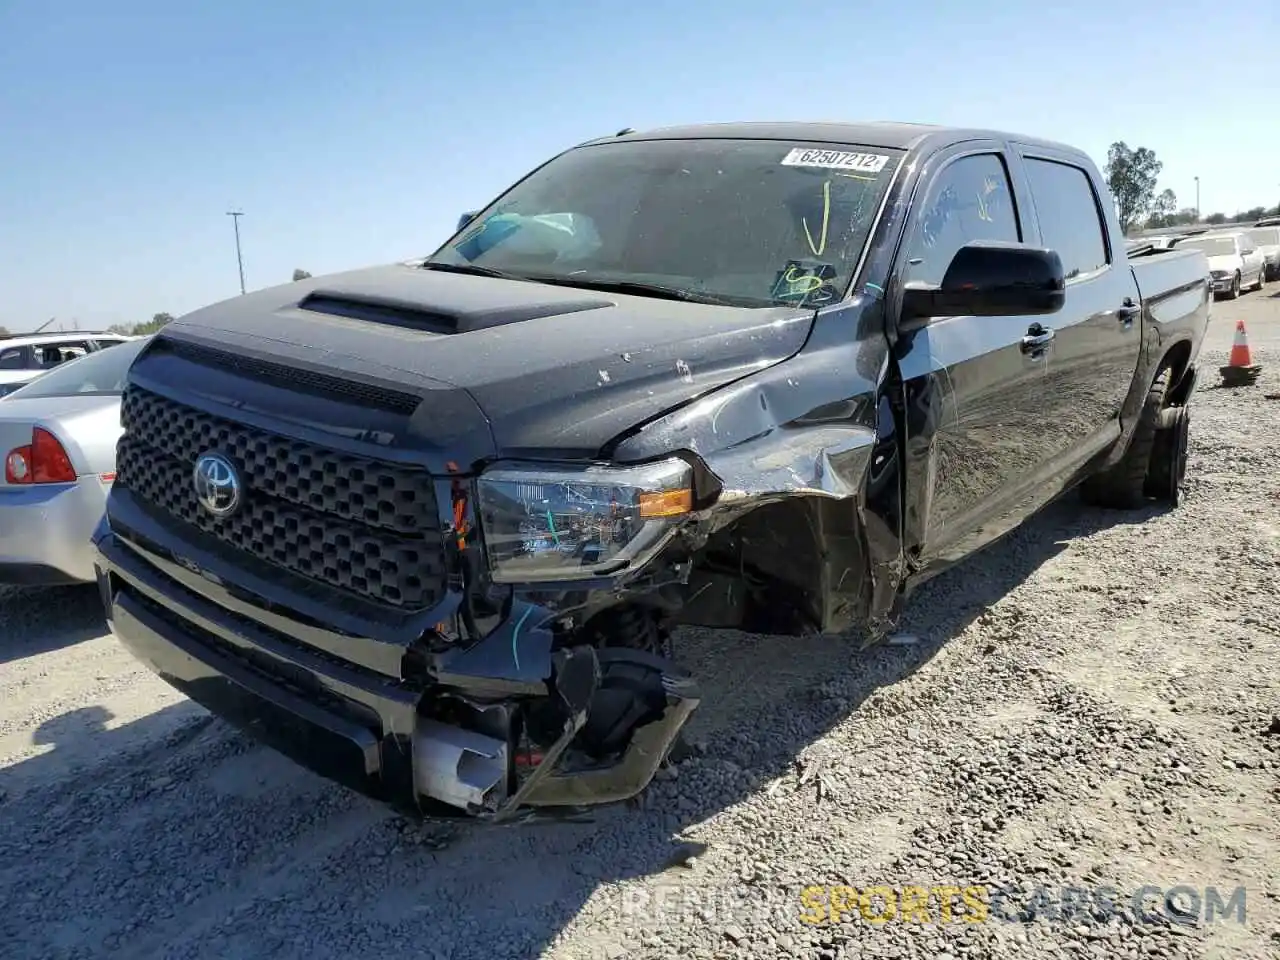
(102, 372)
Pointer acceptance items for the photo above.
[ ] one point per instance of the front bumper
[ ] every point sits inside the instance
(383, 736)
(1221, 284)
(46, 530)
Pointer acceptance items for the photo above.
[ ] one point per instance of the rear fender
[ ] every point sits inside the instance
(1173, 327)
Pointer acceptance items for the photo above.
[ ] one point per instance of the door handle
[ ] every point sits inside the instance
(1128, 311)
(1037, 341)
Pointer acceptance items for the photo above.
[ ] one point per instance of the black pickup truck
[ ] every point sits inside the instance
(427, 528)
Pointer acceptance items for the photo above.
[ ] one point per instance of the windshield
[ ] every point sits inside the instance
(1212, 246)
(1265, 236)
(750, 222)
(102, 372)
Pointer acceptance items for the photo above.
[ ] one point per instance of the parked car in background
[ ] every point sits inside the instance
(1267, 240)
(58, 435)
(24, 357)
(1234, 261)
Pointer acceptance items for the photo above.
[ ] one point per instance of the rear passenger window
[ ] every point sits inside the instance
(1070, 221)
(969, 200)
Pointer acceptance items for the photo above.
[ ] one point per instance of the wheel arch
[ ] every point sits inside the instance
(1177, 358)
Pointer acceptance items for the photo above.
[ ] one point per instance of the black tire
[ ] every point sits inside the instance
(1262, 278)
(1168, 467)
(1235, 288)
(1123, 486)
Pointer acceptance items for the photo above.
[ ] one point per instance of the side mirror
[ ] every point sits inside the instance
(988, 278)
(465, 219)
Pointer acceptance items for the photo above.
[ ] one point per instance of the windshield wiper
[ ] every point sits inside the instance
(636, 287)
(642, 289)
(472, 269)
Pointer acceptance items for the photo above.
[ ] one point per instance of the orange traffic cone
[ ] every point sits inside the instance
(1240, 369)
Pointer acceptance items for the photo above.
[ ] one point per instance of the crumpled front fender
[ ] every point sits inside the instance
(807, 455)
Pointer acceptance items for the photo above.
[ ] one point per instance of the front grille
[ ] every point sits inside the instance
(367, 527)
(291, 378)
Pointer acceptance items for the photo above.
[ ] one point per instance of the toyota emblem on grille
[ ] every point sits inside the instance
(217, 484)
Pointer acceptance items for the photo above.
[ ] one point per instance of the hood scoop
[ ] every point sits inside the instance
(394, 313)
(414, 315)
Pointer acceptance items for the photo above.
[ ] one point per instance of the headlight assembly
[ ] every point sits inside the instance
(545, 522)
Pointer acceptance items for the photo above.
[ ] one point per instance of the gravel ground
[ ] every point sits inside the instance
(1087, 706)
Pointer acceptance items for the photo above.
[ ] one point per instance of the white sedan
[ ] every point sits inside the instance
(58, 437)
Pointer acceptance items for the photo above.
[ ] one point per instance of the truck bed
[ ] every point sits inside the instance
(1177, 296)
(1162, 274)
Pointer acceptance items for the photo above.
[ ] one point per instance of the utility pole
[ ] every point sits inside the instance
(1197, 199)
(235, 216)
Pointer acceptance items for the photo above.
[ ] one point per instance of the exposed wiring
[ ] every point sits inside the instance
(515, 636)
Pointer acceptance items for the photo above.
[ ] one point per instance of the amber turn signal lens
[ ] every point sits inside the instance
(666, 503)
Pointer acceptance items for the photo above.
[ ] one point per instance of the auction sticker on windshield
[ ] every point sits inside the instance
(835, 160)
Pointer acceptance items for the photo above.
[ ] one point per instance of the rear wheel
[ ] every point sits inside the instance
(1124, 485)
(1168, 467)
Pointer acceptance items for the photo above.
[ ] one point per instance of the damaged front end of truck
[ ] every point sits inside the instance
(442, 557)
(774, 515)
(545, 680)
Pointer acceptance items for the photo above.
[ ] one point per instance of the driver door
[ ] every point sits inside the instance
(974, 386)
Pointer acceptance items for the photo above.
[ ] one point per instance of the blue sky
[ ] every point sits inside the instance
(355, 135)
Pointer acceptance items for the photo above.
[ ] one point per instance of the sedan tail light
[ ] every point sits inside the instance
(43, 460)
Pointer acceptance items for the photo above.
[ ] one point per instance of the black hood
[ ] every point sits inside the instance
(555, 370)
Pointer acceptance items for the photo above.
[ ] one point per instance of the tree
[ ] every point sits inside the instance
(1131, 176)
(301, 275)
(1254, 213)
(1216, 218)
(1162, 209)
(4, 332)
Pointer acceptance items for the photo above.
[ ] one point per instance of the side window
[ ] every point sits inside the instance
(1070, 221)
(52, 354)
(969, 200)
(15, 358)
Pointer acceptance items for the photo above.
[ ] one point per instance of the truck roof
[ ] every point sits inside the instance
(879, 133)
